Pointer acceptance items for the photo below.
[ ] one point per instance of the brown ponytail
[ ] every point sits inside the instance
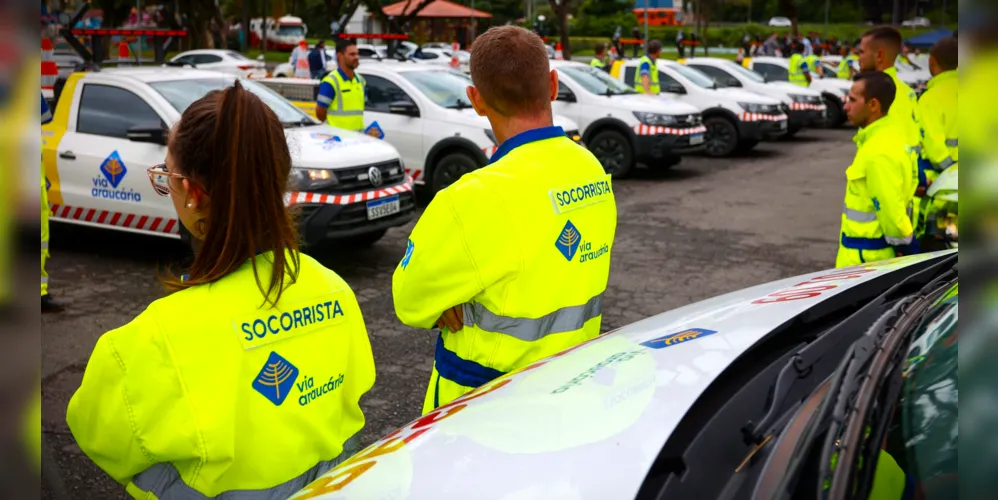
(230, 145)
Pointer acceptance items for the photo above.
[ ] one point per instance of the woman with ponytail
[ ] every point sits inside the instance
(245, 380)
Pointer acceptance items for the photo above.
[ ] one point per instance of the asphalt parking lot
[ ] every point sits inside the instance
(706, 227)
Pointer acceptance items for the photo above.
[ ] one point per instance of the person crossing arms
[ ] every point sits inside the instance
(599, 61)
(879, 186)
(512, 260)
(246, 378)
(647, 81)
(341, 94)
(937, 110)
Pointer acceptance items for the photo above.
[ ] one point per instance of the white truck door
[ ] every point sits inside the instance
(569, 104)
(103, 173)
(404, 132)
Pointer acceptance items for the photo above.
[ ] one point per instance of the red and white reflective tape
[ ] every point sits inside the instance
(758, 117)
(416, 175)
(489, 151)
(800, 106)
(643, 129)
(296, 197)
(167, 225)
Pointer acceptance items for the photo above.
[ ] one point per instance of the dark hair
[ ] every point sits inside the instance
(878, 85)
(654, 46)
(231, 147)
(343, 43)
(599, 48)
(322, 41)
(889, 37)
(946, 52)
(511, 85)
(797, 47)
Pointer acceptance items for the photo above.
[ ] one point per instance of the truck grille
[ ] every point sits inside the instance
(357, 179)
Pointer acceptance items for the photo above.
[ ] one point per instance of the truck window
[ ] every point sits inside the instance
(380, 93)
(720, 76)
(772, 72)
(111, 111)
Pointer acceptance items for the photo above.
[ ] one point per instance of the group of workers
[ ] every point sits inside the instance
(187, 398)
(246, 378)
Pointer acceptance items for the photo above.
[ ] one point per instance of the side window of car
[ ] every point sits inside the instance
(366, 53)
(186, 60)
(208, 58)
(629, 73)
(718, 75)
(430, 55)
(111, 111)
(666, 82)
(772, 72)
(380, 93)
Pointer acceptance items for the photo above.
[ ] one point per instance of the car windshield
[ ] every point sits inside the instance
(444, 88)
(291, 30)
(595, 80)
(181, 93)
(694, 75)
(742, 70)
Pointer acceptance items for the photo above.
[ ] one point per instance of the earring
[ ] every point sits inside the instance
(190, 204)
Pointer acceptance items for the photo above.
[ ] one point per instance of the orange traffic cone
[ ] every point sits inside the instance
(123, 50)
(557, 51)
(454, 63)
(50, 71)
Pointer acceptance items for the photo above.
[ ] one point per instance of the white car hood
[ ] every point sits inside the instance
(793, 89)
(740, 95)
(323, 146)
(662, 104)
(588, 423)
(834, 83)
(468, 117)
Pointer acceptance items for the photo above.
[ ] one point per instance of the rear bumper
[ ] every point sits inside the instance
(319, 222)
(658, 146)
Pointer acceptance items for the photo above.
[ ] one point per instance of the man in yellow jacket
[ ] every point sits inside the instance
(512, 260)
(878, 51)
(938, 111)
(879, 186)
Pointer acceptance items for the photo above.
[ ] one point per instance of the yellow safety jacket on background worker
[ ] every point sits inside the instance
(938, 119)
(597, 63)
(523, 247)
(794, 71)
(905, 109)
(653, 84)
(346, 109)
(812, 65)
(46, 117)
(879, 188)
(845, 67)
(207, 391)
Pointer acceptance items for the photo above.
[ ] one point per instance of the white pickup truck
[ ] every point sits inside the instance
(110, 126)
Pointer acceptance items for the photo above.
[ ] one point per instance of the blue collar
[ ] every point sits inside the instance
(537, 134)
(344, 75)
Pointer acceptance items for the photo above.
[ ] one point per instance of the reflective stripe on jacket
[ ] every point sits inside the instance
(794, 72)
(346, 108)
(523, 247)
(652, 76)
(209, 394)
(876, 215)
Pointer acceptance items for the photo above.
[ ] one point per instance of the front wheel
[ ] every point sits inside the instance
(450, 168)
(721, 137)
(747, 145)
(614, 152)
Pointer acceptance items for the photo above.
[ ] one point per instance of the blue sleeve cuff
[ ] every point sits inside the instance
(923, 165)
(326, 95)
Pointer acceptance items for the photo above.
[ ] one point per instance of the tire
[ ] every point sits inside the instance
(791, 131)
(836, 115)
(450, 168)
(721, 137)
(666, 163)
(613, 151)
(747, 145)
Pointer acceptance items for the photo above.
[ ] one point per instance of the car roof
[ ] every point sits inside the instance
(770, 59)
(149, 74)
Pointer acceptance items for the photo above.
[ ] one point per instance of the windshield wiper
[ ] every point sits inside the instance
(459, 104)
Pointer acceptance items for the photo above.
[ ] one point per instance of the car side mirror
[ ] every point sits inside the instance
(565, 95)
(153, 133)
(675, 88)
(406, 108)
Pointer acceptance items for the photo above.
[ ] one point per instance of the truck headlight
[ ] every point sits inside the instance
(311, 179)
(759, 108)
(655, 119)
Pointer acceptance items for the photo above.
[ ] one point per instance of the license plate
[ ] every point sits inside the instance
(696, 139)
(783, 124)
(383, 207)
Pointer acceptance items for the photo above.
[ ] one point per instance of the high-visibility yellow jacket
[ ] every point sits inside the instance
(647, 64)
(879, 190)
(209, 391)
(845, 67)
(795, 71)
(345, 107)
(937, 109)
(523, 247)
(597, 63)
(905, 110)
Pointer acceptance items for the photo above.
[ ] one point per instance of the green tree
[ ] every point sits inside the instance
(601, 17)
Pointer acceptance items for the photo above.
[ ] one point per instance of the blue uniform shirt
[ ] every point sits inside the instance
(644, 69)
(46, 113)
